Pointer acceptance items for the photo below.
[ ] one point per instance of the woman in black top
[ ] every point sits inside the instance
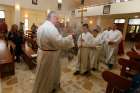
(16, 37)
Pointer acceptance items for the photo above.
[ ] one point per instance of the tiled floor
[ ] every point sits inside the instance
(23, 80)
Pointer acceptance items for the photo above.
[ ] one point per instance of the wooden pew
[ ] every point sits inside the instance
(28, 56)
(119, 84)
(7, 65)
(115, 83)
(129, 67)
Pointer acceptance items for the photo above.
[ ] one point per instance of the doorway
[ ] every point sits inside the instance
(133, 30)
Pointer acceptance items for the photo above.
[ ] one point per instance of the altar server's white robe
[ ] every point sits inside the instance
(112, 50)
(48, 66)
(84, 52)
(104, 37)
(95, 52)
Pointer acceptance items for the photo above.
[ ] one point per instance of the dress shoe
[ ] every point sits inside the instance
(76, 73)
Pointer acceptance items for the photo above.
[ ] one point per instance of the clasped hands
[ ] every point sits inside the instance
(111, 43)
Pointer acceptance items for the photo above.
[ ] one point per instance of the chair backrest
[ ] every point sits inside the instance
(129, 66)
(115, 83)
(137, 45)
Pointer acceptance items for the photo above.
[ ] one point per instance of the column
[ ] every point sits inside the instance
(17, 14)
(125, 29)
(99, 20)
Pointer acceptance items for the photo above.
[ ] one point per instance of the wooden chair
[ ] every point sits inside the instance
(133, 55)
(115, 83)
(28, 57)
(129, 67)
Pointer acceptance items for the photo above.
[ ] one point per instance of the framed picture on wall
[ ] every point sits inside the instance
(34, 2)
(106, 9)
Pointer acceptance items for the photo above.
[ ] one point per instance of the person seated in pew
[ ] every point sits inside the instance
(16, 37)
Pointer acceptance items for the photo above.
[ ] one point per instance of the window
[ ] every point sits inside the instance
(119, 21)
(26, 26)
(134, 21)
(117, 1)
(125, 0)
(2, 14)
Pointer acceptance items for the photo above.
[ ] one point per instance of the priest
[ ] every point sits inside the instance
(50, 43)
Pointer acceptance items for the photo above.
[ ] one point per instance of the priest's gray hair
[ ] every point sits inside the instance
(51, 13)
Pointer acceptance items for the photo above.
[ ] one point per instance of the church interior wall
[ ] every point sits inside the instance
(34, 16)
(9, 14)
(116, 8)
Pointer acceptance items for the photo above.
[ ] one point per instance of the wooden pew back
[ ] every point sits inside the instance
(7, 66)
(115, 83)
(129, 67)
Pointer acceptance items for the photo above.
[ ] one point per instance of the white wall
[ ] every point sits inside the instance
(126, 7)
(67, 5)
(7, 2)
(97, 10)
(116, 8)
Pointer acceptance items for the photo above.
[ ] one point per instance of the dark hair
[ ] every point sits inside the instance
(95, 30)
(115, 25)
(14, 28)
(85, 25)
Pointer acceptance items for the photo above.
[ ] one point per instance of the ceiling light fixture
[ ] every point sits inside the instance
(59, 4)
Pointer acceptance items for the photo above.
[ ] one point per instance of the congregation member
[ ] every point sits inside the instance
(83, 64)
(3, 29)
(34, 29)
(113, 40)
(50, 42)
(17, 38)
